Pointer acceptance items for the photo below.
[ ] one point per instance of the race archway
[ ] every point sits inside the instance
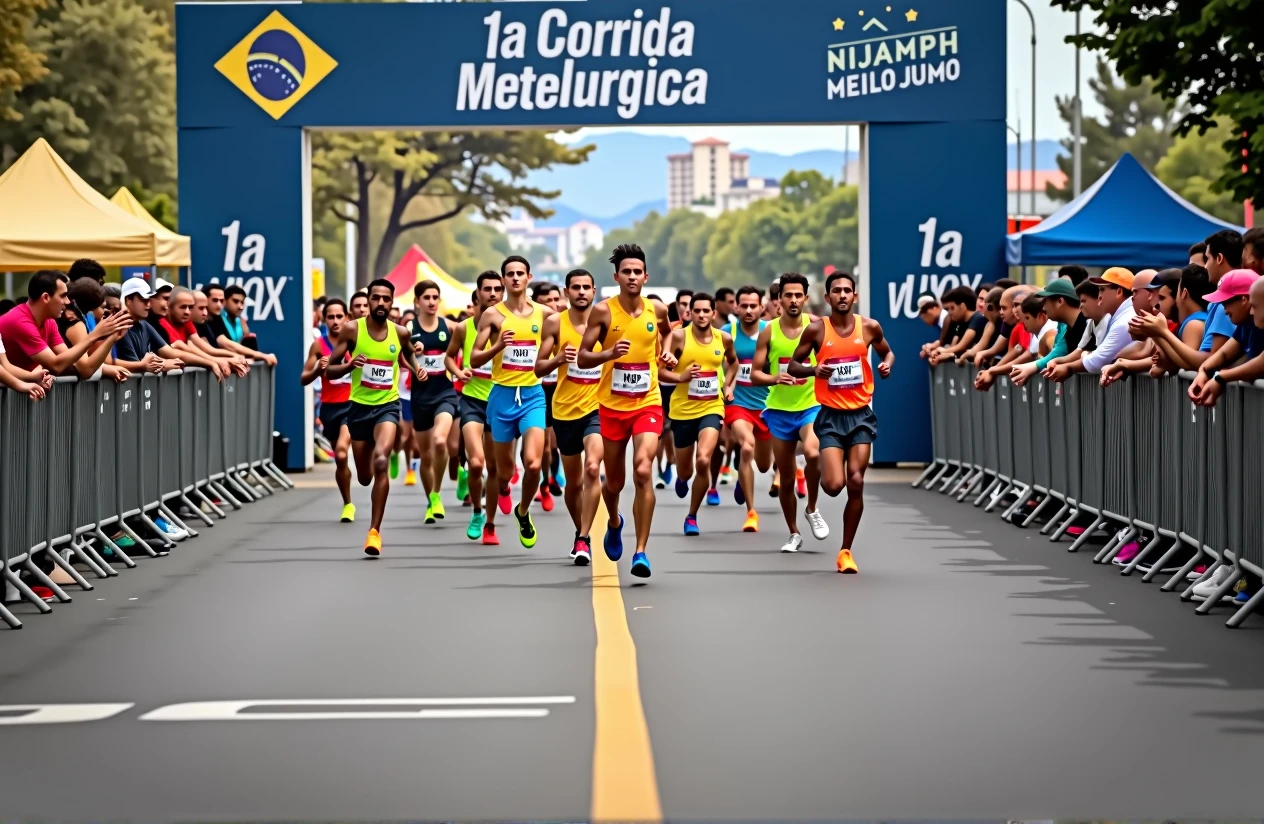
(926, 81)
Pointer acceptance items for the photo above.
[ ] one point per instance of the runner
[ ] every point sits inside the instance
(373, 419)
(547, 294)
(632, 331)
(335, 398)
(575, 418)
(404, 440)
(359, 305)
(515, 406)
(434, 403)
(475, 389)
(791, 407)
(744, 415)
(845, 424)
(697, 406)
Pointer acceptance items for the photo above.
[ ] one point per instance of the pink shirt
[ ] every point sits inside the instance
(24, 338)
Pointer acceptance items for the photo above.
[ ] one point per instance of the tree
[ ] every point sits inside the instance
(1191, 168)
(482, 171)
(1136, 120)
(1206, 55)
(107, 103)
(20, 66)
(800, 189)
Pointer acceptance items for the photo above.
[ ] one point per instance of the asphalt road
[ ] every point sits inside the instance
(972, 670)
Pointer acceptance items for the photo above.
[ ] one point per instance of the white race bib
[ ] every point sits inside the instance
(705, 386)
(519, 356)
(378, 374)
(585, 377)
(845, 372)
(343, 381)
(549, 379)
(744, 372)
(432, 362)
(783, 366)
(484, 371)
(630, 380)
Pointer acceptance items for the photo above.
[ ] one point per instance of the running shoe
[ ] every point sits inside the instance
(794, 544)
(489, 535)
(430, 516)
(477, 521)
(691, 526)
(713, 497)
(555, 486)
(526, 528)
(613, 542)
(800, 484)
(515, 477)
(436, 505)
(373, 544)
(774, 489)
(752, 522)
(172, 531)
(726, 475)
(410, 477)
(664, 477)
(739, 497)
(1125, 555)
(123, 541)
(820, 529)
(1241, 598)
(1197, 573)
(505, 504)
(641, 565)
(546, 499)
(1206, 589)
(462, 483)
(845, 563)
(348, 514)
(581, 554)
(394, 465)
(682, 487)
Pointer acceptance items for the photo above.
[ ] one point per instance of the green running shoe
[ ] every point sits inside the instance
(462, 483)
(394, 465)
(436, 505)
(526, 528)
(475, 530)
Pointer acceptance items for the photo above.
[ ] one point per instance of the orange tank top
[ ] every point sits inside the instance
(850, 384)
(631, 382)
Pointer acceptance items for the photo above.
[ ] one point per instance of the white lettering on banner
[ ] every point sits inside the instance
(488, 85)
(903, 294)
(871, 65)
(263, 292)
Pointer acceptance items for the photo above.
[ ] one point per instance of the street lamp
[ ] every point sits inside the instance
(1023, 3)
(1018, 154)
(1077, 176)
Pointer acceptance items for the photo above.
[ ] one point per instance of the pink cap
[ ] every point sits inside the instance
(1234, 284)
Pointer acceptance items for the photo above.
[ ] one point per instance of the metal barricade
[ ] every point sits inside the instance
(1252, 546)
(168, 436)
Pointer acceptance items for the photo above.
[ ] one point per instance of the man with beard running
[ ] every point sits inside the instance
(791, 407)
(744, 414)
(845, 424)
(376, 346)
(632, 332)
(575, 419)
(335, 398)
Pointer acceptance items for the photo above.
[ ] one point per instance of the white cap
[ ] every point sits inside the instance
(160, 284)
(136, 286)
(925, 302)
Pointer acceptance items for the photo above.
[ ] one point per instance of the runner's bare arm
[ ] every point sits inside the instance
(408, 357)
(455, 345)
(809, 342)
(312, 367)
(674, 345)
(488, 326)
(544, 364)
(338, 363)
(598, 325)
(665, 332)
(730, 365)
(873, 331)
(759, 364)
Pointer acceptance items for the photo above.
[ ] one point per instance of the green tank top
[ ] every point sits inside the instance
(377, 382)
(480, 386)
(786, 398)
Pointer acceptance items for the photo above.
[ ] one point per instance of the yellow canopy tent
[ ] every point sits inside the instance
(49, 218)
(173, 248)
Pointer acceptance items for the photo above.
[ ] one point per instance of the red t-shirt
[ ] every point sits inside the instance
(24, 338)
(178, 333)
(1019, 337)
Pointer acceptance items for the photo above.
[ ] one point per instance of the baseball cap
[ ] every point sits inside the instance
(160, 284)
(1168, 277)
(1234, 284)
(136, 286)
(1115, 276)
(1059, 288)
(925, 302)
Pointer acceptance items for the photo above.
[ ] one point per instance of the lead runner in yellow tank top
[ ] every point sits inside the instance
(704, 380)
(515, 406)
(627, 337)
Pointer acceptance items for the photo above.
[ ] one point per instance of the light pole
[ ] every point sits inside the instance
(1018, 177)
(1023, 3)
(1077, 169)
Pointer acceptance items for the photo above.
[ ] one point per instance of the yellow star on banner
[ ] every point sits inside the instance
(888, 8)
(838, 24)
(910, 16)
(862, 12)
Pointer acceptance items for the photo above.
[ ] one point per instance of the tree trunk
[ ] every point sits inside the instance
(362, 229)
(391, 231)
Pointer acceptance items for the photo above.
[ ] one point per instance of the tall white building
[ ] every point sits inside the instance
(569, 244)
(704, 175)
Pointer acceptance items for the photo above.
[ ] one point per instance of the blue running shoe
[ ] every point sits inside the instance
(691, 526)
(713, 497)
(613, 541)
(738, 495)
(640, 565)
(682, 487)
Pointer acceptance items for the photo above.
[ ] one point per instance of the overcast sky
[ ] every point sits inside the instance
(1055, 75)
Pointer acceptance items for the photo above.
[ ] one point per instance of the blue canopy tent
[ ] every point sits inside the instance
(1127, 218)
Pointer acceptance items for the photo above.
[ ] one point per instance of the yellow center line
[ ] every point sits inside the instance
(624, 786)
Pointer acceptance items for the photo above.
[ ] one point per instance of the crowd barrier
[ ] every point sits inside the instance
(1137, 455)
(97, 454)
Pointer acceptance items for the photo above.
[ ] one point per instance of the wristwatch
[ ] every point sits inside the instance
(1218, 378)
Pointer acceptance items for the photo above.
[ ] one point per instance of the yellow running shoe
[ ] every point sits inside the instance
(752, 522)
(526, 528)
(410, 478)
(846, 563)
(348, 513)
(436, 505)
(373, 544)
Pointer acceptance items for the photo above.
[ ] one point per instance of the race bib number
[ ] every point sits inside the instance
(519, 356)
(845, 372)
(705, 386)
(432, 362)
(378, 374)
(744, 372)
(584, 377)
(783, 365)
(630, 380)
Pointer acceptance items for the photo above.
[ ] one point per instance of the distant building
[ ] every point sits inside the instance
(745, 191)
(568, 245)
(699, 179)
(1018, 191)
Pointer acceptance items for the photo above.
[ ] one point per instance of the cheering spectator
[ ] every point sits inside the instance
(992, 312)
(1253, 250)
(965, 326)
(1075, 274)
(932, 314)
(31, 336)
(1223, 255)
(87, 268)
(1182, 349)
(87, 295)
(1062, 306)
(1018, 341)
(142, 349)
(1115, 285)
(1036, 321)
(231, 330)
(177, 327)
(1241, 293)
(1198, 255)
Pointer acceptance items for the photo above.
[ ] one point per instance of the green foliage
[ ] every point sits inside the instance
(1191, 169)
(1206, 55)
(160, 205)
(20, 66)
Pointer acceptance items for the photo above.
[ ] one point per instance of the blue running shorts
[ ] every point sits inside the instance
(512, 410)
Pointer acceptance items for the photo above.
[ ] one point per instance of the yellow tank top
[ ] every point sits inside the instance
(515, 364)
(700, 395)
(631, 382)
(576, 393)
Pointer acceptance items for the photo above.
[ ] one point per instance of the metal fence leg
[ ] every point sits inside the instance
(9, 618)
(114, 548)
(1114, 545)
(167, 543)
(88, 556)
(1250, 606)
(1143, 554)
(1023, 494)
(1039, 508)
(1056, 519)
(1183, 572)
(1188, 592)
(1083, 539)
(939, 474)
(172, 518)
(259, 479)
(1221, 591)
(1163, 559)
(272, 470)
(974, 484)
(65, 567)
(930, 469)
(987, 490)
(947, 479)
(140, 542)
(238, 487)
(222, 491)
(25, 591)
(44, 580)
(196, 510)
(208, 502)
(1001, 492)
(1071, 518)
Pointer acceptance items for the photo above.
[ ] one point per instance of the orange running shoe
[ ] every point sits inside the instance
(489, 535)
(800, 484)
(752, 522)
(410, 478)
(373, 544)
(546, 499)
(846, 563)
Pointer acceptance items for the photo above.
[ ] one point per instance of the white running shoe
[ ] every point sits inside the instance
(820, 529)
(794, 544)
(1208, 588)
